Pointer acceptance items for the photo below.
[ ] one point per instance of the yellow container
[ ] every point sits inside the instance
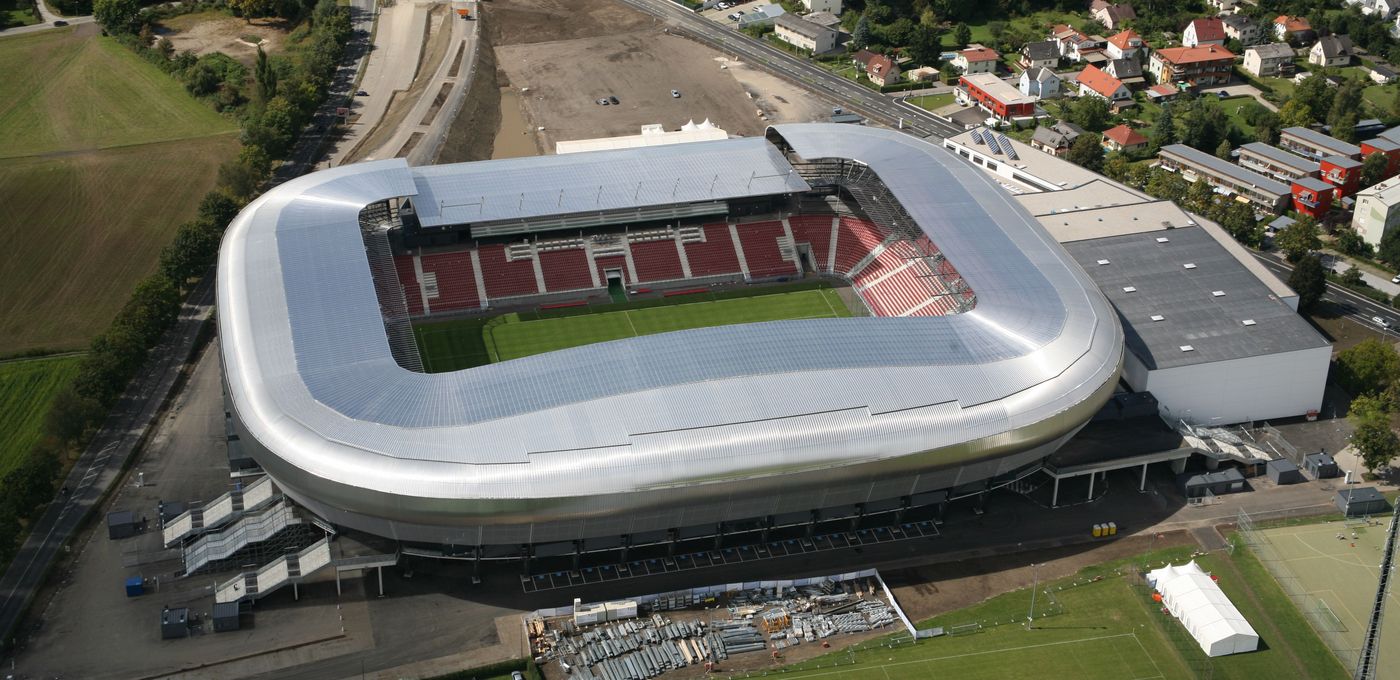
(1112, 529)
(1098, 530)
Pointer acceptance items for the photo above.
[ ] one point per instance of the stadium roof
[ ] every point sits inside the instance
(1178, 279)
(522, 188)
(311, 377)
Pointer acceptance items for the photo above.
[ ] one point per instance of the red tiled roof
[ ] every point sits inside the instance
(1099, 81)
(1123, 41)
(1192, 55)
(880, 64)
(1164, 90)
(1208, 29)
(1293, 24)
(1125, 136)
(980, 54)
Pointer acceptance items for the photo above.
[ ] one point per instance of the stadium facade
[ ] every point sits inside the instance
(662, 435)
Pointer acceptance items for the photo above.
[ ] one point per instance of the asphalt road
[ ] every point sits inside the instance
(854, 97)
(1357, 307)
(46, 19)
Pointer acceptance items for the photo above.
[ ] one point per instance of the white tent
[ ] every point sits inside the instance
(1197, 600)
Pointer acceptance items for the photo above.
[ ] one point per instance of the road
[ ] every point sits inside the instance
(102, 463)
(855, 97)
(46, 19)
(1357, 307)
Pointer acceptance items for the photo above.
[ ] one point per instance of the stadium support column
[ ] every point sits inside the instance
(673, 537)
(767, 526)
(719, 535)
(527, 550)
(626, 543)
(812, 526)
(860, 515)
(904, 503)
(578, 553)
(476, 565)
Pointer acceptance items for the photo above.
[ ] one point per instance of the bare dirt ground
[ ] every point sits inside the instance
(569, 55)
(206, 32)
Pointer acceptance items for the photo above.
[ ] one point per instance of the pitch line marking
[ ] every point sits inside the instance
(984, 653)
(1149, 656)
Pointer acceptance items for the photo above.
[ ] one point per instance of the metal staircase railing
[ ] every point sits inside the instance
(290, 568)
(219, 511)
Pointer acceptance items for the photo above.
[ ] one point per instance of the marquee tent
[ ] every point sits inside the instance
(1196, 599)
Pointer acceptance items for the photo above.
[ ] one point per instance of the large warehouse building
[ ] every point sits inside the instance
(981, 349)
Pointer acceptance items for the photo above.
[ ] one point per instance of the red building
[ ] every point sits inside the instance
(1312, 197)
(1382, 145)
(1343, 173)
(996, 96)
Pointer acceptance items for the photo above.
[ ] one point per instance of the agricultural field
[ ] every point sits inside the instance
(454, 345)
(27, 388)
(104, 156)
(1099, 624)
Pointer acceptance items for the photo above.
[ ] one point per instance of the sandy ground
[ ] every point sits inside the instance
(206, 32)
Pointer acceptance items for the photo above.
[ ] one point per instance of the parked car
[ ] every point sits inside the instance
(361, 93)
(603, 101)
(1395, 279)
(733, 17)
(612, 100)
(676, 94)
(1381, 321)
(60, 22)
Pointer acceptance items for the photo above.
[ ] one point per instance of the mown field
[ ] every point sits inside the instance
(454, 345)
(27, 387)
(1091, 629)
(104, 156)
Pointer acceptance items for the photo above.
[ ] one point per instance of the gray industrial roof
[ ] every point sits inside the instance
(1227, 169)
(522, 188)
(1192, 315)
(1284, 158)
(1321, 141)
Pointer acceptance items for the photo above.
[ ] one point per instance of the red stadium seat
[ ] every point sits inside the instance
(760, 243)
(715, 256)
(456, 282)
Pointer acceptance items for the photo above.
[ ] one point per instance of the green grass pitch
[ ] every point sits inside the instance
(454, 345)
(27, 388)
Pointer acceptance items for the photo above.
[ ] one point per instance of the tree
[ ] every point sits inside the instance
(1222, 151)
(1368, 367)
(1299, 238)
(1164, 129)
(250, 8)
(1199, 196)
(924, 46)
(1168, 185)
(1389, 250)
(1295, 113)
(1373, 168)
(1116, 165)
(1266, 127)
(1377, 443)
(1238, 219)
(1351, 278)
(1346, 101)
(860, 38)
(1351, 243)
(1086, 152)
(962, 35)
(1090, 113)
(1309, 281)
(1316, 94)
(265, 76)
(116, 16)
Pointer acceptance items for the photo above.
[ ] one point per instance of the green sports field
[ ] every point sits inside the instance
(103, 157)
(1099, 625)
(27, 388)
(454, 345)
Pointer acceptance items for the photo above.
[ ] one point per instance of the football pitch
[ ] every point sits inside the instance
(463, 343)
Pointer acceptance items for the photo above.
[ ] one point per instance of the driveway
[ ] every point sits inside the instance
(1243, 90)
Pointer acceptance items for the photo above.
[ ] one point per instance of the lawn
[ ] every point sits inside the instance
(1038, 23)
(1099, 624)
(464, 343)
(932, 102)
(27, 388)
(104, 157)
(16, 13)
(1232, 107)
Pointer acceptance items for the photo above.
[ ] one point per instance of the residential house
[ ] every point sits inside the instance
(977, 59)
(923, 74)
(1204, 32)
(1276, 163)
(761, 15)
(1042, 54)
(1331, 50)
(1228, 178)
(1312, 197)
(1127, 70)
(1269, 59)
(826, 19)
(1074, 44)
(1298, 27)
(1224, 6)
(1123, 138)
(1040, 82)
(1384, 147)
(1125, 45)
(1315, 145)
(1382, 74)
(799, 32)
(832, 6)
(1161, 94)
(1377, 8)
(1199, 66)
(879, 68)
(1056, 139)
(1095, 82)
(1377, 211)
(995, 96)
(1343, 172)
(1114, 16)
(1243, 28)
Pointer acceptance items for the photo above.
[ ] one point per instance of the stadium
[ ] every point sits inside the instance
(829, 322)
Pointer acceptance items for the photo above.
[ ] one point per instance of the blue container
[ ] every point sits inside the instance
(135, 587)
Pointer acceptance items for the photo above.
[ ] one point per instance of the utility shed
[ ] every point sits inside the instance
(174, 623)
(1320, 465)
(1283, 471)
(225, 616)
(1364, 500)
(121, 524)
(1195, 599)
(1195, 485)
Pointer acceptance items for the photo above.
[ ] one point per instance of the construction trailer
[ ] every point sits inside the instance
(1320, 465)
(1283, 471)
(1363, 500)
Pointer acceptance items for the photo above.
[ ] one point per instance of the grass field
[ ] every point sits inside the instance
(104, 157)
(1342, 574)
(932, 102)
(463, 343)
(16, 13)
(27, 387)
(1097, 629)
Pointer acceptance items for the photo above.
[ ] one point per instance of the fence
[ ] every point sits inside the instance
(1320, 616)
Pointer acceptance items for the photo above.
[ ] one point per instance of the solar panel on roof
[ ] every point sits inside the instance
(977, 136)
(1006, 147)
(992, 143)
